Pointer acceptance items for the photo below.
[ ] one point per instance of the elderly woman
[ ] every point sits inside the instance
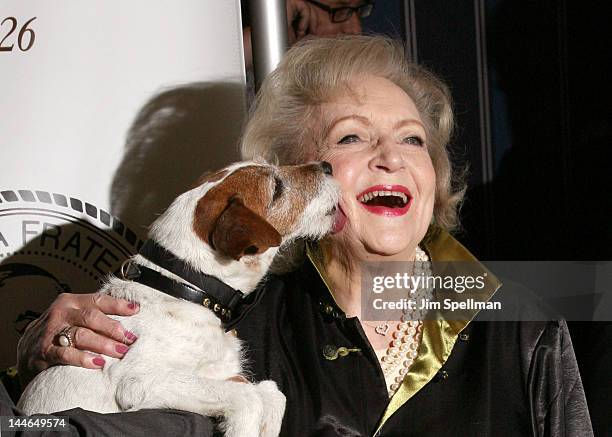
(383, 124)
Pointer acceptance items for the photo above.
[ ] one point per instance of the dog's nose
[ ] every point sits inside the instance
(327, 168)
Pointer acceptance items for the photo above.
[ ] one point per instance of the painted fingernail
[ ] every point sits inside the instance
(130, 336)
(133, 305)
(98, 361)
(121, 348)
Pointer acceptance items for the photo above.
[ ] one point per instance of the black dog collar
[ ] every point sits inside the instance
(227, 303)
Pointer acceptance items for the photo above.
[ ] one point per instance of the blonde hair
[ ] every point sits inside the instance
(283, 118)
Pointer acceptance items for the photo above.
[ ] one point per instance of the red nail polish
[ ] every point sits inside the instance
(130, 336)
(132, 305)
(121, 348)
(98, 361)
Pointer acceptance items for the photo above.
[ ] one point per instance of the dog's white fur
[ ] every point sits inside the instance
(183, 358)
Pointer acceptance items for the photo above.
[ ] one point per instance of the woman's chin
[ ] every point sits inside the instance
(384, 244)
(388, 248)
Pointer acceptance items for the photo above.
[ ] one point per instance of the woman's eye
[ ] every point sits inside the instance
(349, 139)
(414, 140)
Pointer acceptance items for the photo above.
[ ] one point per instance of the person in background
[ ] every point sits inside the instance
(313, 17)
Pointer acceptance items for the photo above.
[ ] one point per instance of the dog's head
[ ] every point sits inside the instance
(249, 207)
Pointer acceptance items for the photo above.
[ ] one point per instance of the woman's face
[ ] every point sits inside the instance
(376, 143)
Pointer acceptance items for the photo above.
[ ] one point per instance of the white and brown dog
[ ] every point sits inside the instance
(230, 226)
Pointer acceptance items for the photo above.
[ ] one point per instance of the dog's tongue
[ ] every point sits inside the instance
(339, 220)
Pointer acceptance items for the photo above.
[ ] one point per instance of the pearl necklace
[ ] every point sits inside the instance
(408, 333)
(401, 354)
(421, 266)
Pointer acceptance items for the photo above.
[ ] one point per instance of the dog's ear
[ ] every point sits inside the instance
(238, 231)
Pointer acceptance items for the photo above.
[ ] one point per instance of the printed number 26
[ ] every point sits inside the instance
(20, 37)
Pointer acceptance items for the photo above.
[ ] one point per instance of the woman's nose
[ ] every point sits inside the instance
(387, 158)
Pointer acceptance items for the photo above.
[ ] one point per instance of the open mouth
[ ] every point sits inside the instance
(390, 200)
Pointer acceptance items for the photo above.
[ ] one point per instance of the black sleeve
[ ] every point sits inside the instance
(558, 404)
(139, 423)
(593, 346)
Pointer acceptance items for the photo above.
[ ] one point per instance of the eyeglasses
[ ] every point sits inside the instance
(341, 14)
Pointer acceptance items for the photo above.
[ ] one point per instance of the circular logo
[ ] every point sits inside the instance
(52, 243)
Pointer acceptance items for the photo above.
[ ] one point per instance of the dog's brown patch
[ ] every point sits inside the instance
(237, 217)
(223, 219)
(239, 231)
(302, 183)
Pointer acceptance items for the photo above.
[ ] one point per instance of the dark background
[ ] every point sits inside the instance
(533, 102)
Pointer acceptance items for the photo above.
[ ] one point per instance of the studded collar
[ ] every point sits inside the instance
(228, 304)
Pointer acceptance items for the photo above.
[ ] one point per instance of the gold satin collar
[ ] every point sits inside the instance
(439, 336)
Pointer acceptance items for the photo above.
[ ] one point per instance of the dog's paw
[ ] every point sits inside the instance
(269, 390)
(275, 402)
(244, 411)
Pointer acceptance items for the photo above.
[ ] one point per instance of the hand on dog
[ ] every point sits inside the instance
(91, 330)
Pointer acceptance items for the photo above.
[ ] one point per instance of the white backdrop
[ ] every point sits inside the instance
(107, 107)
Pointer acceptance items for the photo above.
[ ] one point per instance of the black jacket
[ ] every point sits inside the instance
(470, 379)
(495, 379)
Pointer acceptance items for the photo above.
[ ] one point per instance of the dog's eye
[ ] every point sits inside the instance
(278, 188)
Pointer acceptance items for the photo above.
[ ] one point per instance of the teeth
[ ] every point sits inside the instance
(368, 196)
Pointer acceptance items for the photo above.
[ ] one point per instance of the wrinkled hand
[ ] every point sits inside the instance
(91, 330)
